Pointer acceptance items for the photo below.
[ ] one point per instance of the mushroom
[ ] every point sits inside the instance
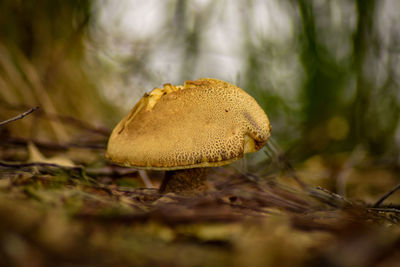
(184, 129)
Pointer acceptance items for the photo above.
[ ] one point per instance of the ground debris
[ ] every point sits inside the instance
(69, 214)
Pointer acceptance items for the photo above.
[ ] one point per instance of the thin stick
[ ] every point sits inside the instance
(18, 165)
(145, 179)
(50, 145)
(385, 196)
(20, 116)
(282, 160)
(60, 118)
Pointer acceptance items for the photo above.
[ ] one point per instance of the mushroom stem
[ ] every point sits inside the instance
(185, 182)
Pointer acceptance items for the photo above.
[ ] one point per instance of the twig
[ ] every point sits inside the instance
(50, 145)
(61, 118)
(284, 162)
(394, 210)
(20, 116)
(385, 196)
(329, 197)
(17, 165)
(145, 179)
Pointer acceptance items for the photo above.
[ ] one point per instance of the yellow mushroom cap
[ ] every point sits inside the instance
(204, 123)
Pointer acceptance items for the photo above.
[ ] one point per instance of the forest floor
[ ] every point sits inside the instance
(65, 205)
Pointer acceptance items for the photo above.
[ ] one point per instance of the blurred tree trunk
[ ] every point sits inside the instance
(322, 89)
(361, 42)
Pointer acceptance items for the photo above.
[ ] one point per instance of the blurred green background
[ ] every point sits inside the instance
(326, 72)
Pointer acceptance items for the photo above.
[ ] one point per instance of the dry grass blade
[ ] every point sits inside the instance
(386, 195)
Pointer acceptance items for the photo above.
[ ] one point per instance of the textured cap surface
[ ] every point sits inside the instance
(204, 123)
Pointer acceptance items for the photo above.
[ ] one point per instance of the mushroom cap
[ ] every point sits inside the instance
(204, 123)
